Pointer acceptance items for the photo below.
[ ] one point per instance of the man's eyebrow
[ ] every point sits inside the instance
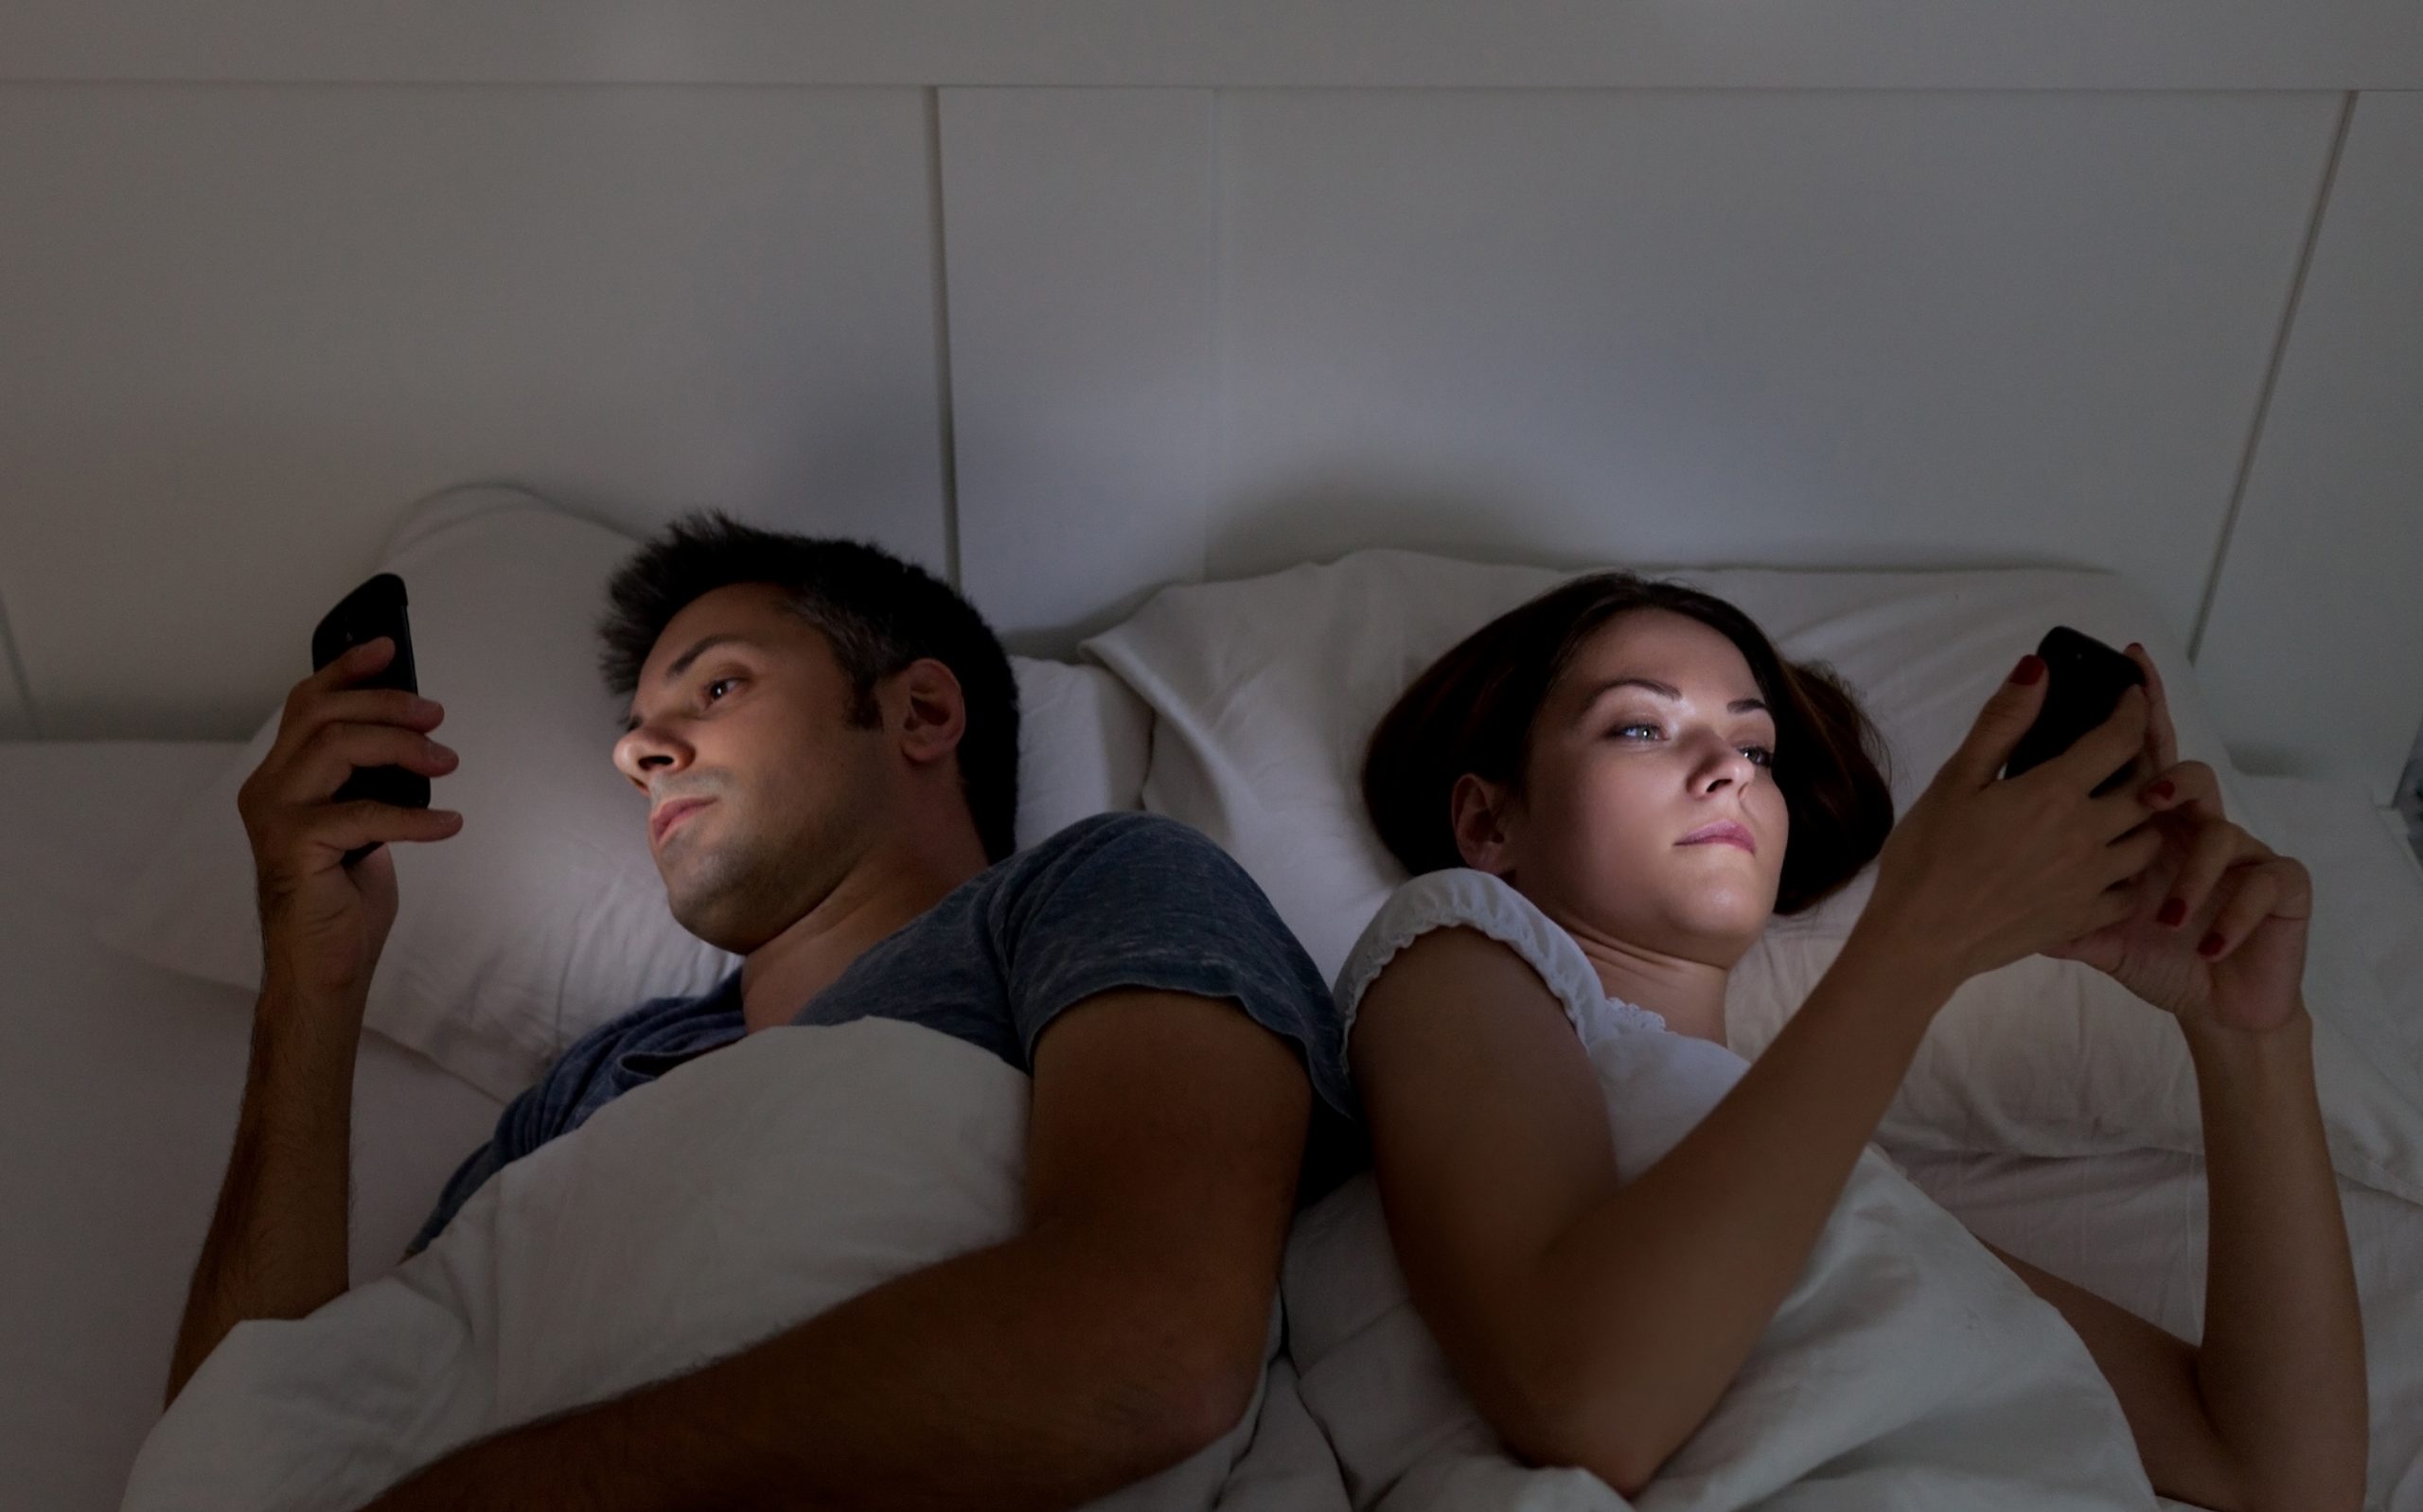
(1667, 691)
(681, 664)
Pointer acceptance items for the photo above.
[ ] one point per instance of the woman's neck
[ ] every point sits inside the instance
(1688, 994)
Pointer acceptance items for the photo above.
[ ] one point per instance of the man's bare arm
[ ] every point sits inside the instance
(276, 1247)
(1122, 1331)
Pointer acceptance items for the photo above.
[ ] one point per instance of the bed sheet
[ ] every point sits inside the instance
(2131, 1227)
(118, 1088)
(2368, 902)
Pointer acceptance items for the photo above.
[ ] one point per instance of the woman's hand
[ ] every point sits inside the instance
(1984, 871)
(2215, 927)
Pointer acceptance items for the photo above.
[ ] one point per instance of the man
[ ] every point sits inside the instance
(827, 738)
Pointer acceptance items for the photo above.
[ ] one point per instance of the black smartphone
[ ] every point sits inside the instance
(2086, 679)
(375, 608)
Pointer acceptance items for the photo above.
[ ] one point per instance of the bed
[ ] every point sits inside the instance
(1070, 312)
(124, 1069)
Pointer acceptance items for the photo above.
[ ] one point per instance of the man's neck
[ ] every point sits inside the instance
(885, 891)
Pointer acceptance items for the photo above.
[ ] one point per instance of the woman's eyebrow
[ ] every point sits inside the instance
(1667, 691)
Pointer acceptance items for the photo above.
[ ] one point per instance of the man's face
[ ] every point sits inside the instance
(762, 792)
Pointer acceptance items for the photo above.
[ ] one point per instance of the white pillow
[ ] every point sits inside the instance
(1265, 691)
(545, 915)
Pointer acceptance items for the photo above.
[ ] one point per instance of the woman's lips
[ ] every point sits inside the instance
(1724, 831)
(672, 814)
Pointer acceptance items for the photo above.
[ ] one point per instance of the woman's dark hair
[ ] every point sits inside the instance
(1473, 711)
(879, 612)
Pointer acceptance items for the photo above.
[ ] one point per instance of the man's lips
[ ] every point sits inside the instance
(670, 814)
(1723, 831)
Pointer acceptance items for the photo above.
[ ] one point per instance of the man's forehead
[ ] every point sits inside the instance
(752, 611)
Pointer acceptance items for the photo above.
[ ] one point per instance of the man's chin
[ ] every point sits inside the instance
(716, 930)
(701, 907)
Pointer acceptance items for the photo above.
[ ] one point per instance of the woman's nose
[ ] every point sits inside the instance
(1721, 764)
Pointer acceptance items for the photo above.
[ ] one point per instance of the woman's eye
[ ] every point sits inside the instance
(1626, 730)
(714, 689)
(1760, 755)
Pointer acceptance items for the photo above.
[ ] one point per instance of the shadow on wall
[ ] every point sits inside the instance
(1319, 520)
(1321, 524)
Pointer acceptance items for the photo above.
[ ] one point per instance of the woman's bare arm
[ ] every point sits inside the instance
(2270, 1412)
(1596, 1325)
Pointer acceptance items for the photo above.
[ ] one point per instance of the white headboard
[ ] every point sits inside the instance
(1070, 300)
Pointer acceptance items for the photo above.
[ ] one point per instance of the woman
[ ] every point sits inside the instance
(1635, 762)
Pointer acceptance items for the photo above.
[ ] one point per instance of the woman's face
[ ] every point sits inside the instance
(1652, 815)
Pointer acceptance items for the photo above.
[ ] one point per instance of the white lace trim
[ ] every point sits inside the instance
(1462, 897)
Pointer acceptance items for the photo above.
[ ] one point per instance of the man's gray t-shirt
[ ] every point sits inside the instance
(1120, 901)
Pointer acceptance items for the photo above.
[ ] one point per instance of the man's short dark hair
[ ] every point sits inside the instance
(880, 613)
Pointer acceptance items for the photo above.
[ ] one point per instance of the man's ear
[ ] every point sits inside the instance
(1479, 809)
(925, 710)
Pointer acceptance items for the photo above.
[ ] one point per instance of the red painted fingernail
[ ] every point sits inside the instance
(2030, 668)
(2174, 913)
(2161, 792)
(2212, 945)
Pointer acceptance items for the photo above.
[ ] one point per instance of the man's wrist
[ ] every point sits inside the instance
(290, 1020)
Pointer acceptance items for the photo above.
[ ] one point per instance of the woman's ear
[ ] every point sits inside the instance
(1477, 810)
(927, 711)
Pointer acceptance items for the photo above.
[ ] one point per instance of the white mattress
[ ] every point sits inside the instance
(118, 1087)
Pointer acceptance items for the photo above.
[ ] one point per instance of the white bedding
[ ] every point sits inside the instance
(2131, 1227)
(118, 1085)
(839, 1158)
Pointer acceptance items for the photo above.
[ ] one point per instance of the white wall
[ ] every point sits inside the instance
(1198, 43)
(2316, 623)
(1851, 281)
(1216, 333)
(241, 327)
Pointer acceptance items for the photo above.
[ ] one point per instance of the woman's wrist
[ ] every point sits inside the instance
(1894, 964)
(2251, 1056)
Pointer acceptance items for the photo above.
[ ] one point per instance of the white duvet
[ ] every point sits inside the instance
(1907, 1368)
(741, 1193)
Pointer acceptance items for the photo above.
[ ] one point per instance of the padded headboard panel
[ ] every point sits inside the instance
(1097, 299)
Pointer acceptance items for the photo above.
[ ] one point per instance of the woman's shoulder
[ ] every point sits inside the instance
(1462, 898)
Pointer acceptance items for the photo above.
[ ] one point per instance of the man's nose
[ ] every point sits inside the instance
(650, 750)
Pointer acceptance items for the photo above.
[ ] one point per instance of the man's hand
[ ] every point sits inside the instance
(323, 924)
